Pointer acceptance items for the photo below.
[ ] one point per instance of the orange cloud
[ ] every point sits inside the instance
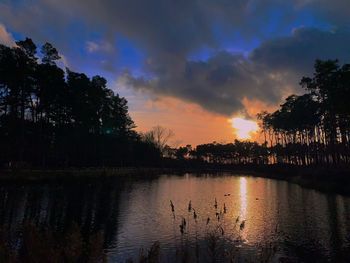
(191, 123)
(6, 37)
(254, 106)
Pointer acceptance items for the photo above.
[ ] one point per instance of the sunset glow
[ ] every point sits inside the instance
(167, 131)
(244, 129)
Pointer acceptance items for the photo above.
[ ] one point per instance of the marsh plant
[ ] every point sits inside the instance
(198, 238)
(211, 243)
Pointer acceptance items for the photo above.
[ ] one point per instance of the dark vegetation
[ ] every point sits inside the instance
(310, 129)
(61, 222)
(307, 140)
(55, 118)
(314, 128)
(38, 244)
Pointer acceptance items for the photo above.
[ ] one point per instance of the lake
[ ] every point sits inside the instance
(245, 212)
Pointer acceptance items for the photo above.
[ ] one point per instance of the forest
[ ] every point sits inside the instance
(50, 117)
(313, 128)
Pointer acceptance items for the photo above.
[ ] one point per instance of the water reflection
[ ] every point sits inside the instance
(243, 197)
(133, 213)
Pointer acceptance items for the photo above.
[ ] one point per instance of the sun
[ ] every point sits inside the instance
(244, 129)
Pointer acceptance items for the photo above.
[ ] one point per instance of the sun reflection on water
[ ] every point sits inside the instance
(243, 196)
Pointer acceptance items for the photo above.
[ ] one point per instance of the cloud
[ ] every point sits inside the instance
(6, 37)
(165, 28)
(92, 46)
(170, 31)
(299, 51)
(102, 46)
(269, 73)
(63, 62)
(190, 123)
(335, 11)
(218, 85)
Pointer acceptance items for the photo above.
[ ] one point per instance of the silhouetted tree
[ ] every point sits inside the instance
(52, 117)
(159, 136)
(313, 128)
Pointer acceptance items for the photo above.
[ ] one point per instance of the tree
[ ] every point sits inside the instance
(52, 117)
(158, 136)
(313, 128)
(50, 54)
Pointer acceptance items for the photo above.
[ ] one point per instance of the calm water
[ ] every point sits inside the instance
(133, 213)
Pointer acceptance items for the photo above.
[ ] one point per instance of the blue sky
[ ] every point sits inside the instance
(213, 54)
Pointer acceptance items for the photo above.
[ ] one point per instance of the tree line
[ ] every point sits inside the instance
(54, 117)
(51, 117)
(313, 128)
(308, 129)
(236, 153)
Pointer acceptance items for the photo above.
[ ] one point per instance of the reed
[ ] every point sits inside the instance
(216, 244)
(211, 242)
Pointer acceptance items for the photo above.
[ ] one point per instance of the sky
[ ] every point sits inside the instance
(188, 65)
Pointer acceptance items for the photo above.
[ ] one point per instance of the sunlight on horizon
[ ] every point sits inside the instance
(244, 129)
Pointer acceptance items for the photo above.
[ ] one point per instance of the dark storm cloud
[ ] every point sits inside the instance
(334, 11)
(218, 84)
(270, 72)
(163, 27)
(169, 31)
(298, 51)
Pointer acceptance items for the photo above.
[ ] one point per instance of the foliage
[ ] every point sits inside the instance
(158, 136)
(313, 128)
(54, 118)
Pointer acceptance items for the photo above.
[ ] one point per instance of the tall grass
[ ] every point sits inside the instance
(208, 242)
(216, 244)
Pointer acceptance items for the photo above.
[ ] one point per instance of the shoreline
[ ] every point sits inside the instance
(324, 179)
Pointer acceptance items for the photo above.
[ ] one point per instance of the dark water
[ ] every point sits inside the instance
(133, 213)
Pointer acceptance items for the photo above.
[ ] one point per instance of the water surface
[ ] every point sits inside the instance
(135, 212)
